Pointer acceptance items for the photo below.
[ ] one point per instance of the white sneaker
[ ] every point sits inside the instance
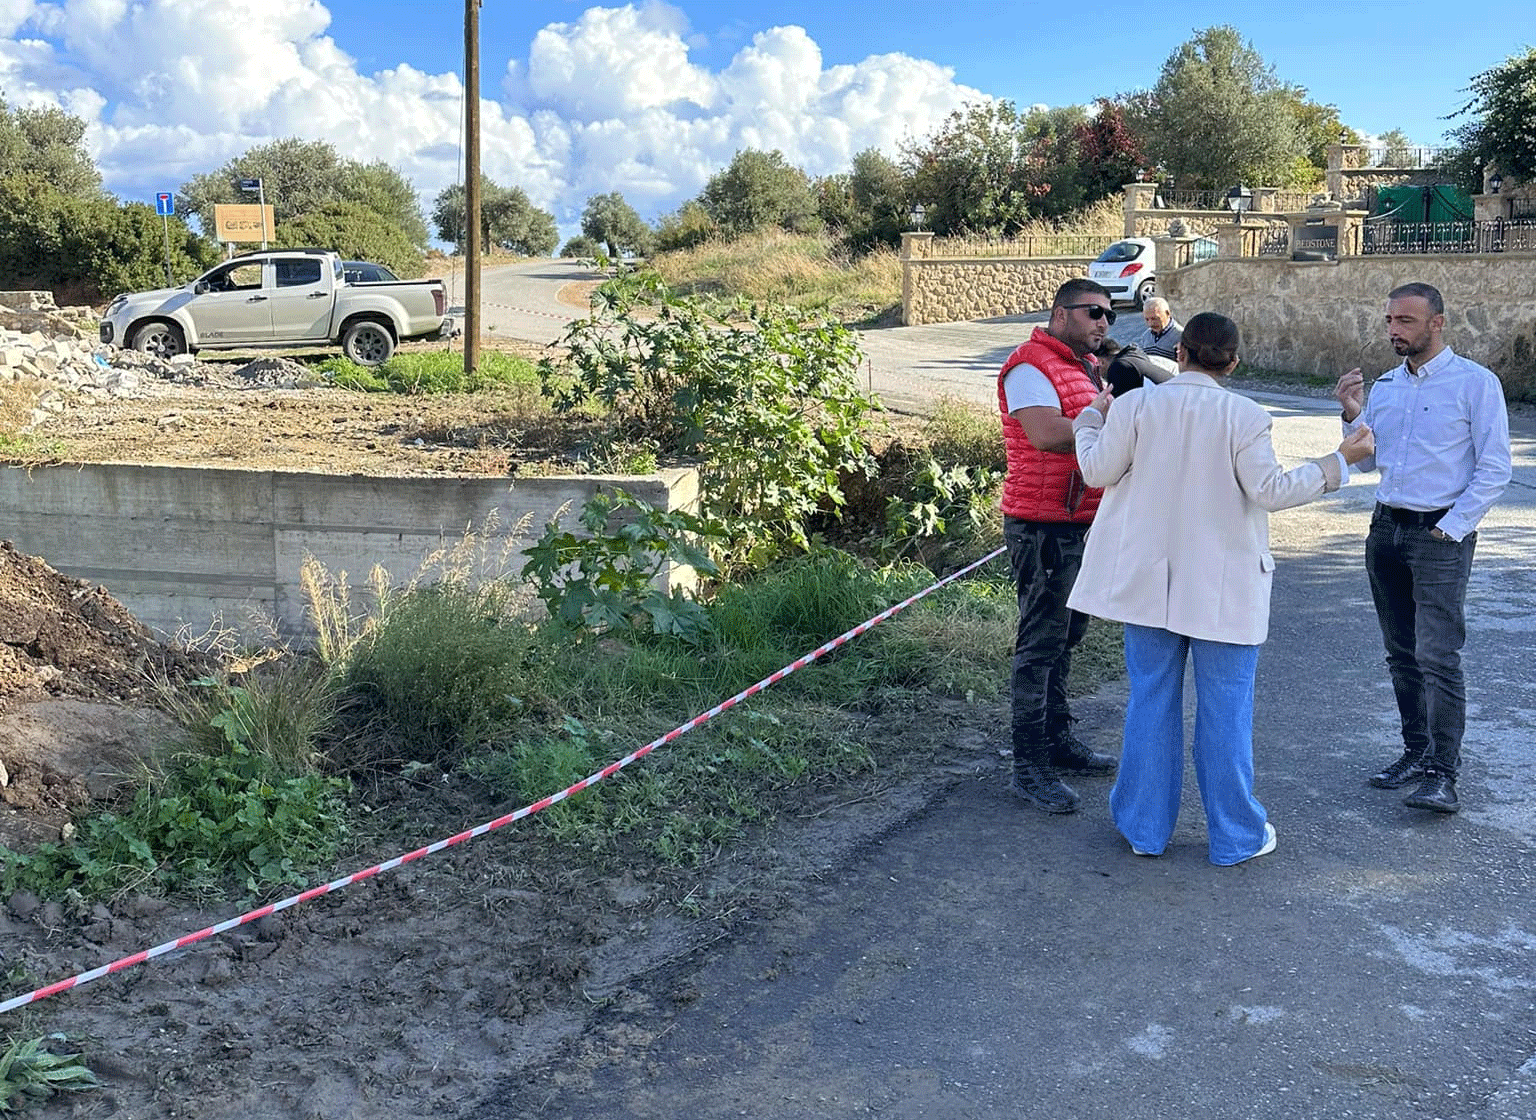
(1269, 843)
(1139, 852)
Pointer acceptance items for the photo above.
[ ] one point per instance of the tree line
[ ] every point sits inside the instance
(1218, 115)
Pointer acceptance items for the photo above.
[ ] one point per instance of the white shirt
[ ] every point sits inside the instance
(1442, 439)
(1024, 386)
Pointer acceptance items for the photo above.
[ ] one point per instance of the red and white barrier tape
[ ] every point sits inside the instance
(490, 826)
(571, 318)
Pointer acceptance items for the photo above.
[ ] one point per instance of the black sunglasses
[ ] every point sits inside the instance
(1094, 311)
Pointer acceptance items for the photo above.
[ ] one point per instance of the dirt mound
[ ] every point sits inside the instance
(61, 636)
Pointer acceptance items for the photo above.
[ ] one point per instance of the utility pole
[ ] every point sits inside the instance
(471, 186)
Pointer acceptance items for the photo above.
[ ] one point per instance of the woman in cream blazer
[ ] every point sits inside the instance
(1179, 552)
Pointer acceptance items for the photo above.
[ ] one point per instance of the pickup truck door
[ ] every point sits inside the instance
(235, 308)
(302, 298)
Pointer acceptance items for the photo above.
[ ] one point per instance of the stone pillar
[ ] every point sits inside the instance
(1138, 198)
(1342, 157)
(1266, 200)
(917, 245)
(1351, 231)
(1229, 240)
(1489, 207)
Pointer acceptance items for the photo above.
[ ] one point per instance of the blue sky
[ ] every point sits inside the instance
(1384, 63)
(652, 98)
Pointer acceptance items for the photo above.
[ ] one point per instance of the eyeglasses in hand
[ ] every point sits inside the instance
(1095, 311)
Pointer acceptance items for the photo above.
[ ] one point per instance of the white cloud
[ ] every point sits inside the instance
(610, 101)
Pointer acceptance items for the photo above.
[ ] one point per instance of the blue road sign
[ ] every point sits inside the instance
(250, 184)
(165, 204)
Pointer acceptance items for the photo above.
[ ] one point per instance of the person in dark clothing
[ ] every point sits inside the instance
(1128, 367)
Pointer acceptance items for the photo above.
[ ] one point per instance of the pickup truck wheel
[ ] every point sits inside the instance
(163, 340)
(367, 343)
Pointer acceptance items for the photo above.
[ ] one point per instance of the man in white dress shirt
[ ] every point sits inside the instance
(1442, 449)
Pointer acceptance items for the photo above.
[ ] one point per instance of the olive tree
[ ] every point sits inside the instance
(614, 222)
(47, 144)
(508, 219)
(1218, 115)
(760, 190)
(303, 176)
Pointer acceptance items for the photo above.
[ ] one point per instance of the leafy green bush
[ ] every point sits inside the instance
(49, 239)
(767, 401)
(240, 800)
(433, 371)
(609, 579)
(357, 232)
(209, 820)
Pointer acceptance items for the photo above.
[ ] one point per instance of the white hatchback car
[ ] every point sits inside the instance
(1128, 268)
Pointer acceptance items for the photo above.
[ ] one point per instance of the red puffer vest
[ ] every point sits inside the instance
(1040, 483)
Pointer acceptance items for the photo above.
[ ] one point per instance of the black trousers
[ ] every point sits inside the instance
(1044, 559)
(1419, 584)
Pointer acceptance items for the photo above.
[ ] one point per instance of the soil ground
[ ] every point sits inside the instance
(419, 991)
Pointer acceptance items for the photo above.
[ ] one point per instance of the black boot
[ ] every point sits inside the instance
(1034, 780)
(1071, 755)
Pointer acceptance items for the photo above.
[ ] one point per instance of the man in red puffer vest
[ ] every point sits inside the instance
(1046, 511)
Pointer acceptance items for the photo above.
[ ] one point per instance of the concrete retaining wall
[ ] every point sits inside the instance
(187, 548)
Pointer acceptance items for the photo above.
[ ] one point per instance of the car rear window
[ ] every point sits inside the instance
(1120, 252)
(295, 274)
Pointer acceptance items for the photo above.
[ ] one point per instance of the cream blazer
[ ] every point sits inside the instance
(1181, 539)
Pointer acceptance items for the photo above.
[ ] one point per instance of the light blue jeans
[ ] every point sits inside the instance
(1145, 800)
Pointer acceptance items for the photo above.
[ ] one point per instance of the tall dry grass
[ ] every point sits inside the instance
(811, 271)
(802, 269)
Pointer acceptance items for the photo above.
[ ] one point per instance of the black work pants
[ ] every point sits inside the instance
(1044, 558)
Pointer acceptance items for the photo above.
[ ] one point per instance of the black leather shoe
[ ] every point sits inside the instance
(1408, 768)
(1437, 792)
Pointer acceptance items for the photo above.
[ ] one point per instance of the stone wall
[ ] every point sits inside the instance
(1326, 317)
(1353, 186)
(1199, 223)
(959, 289)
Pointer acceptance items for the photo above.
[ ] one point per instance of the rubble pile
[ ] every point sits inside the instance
(55, 351)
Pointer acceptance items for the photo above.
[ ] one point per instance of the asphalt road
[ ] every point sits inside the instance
(989, 961)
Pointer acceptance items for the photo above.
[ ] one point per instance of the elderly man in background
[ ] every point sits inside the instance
(1161, 338)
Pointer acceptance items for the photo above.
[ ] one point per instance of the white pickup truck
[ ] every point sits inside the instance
(279, 297)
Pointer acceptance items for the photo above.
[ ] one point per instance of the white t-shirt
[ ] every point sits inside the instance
(1024, 386)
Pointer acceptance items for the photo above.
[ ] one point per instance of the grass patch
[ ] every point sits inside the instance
(239, 802)
(437, 371)
(806, 270)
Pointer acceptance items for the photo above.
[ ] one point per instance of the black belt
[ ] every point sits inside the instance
(1426, 518)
